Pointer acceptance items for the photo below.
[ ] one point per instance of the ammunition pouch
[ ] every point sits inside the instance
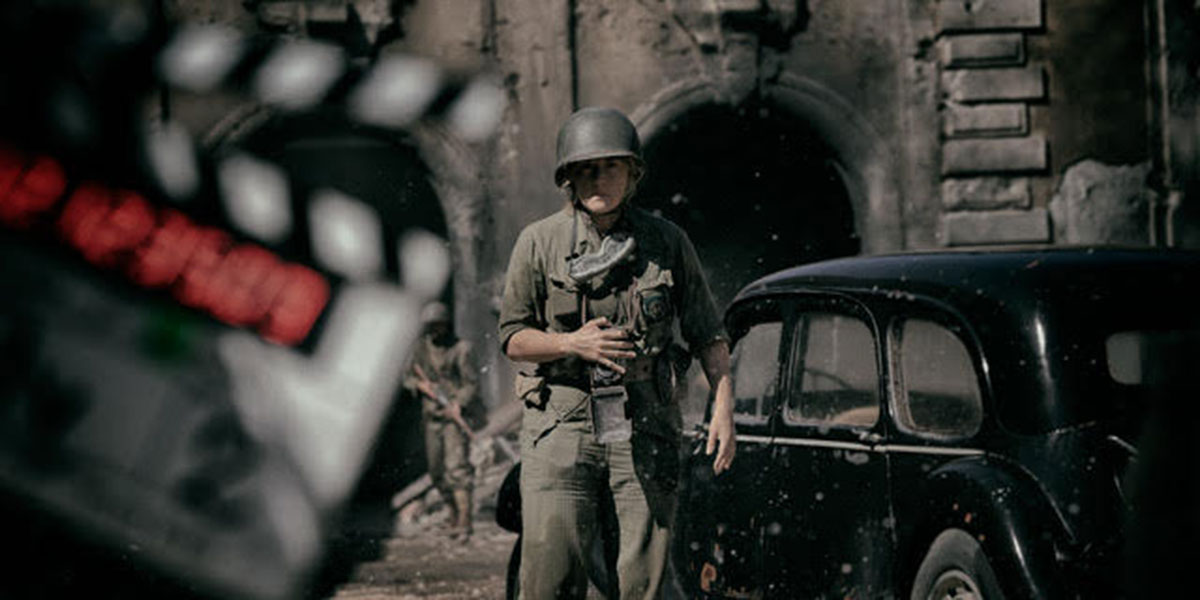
(610, 416)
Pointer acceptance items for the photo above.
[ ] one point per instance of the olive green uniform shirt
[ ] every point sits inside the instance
(656, 292)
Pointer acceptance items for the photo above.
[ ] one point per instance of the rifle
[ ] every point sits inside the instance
(443, 402)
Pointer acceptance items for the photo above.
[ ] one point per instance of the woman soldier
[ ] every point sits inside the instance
(593, 295)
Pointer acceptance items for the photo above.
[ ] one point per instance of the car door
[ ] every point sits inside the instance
(720, 522)
(937, 406)
(827, 531)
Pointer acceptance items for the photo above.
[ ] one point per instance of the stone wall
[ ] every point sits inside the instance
(947, 122)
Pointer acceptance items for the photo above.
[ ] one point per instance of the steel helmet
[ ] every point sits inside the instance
(596, 133)
(435, 312)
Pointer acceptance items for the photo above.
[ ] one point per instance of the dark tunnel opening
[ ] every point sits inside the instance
(755, 189)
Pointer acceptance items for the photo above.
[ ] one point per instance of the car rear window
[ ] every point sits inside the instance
(1108, 357)
(937, 388)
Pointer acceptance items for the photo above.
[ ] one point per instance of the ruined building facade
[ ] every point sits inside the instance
(776, 131)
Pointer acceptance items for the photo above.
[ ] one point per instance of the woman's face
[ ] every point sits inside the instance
(600, 184)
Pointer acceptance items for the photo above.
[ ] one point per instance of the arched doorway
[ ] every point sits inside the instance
(422, 177)
(755, 189)
(791, 175)
(381, 169)
(386, 172)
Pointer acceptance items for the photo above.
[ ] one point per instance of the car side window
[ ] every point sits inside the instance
(937, 388)
(836, 379)
(754, 364)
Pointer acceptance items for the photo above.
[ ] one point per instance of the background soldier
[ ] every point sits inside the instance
(593, 295)
(443, 375)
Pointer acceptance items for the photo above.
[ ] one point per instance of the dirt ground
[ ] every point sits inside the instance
(427, 564)
(419, 560)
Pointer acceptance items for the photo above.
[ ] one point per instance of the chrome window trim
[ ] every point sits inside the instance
(856, 446)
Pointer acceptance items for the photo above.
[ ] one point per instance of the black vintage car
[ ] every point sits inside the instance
(951, 424)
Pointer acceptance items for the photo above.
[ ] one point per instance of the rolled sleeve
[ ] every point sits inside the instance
(520, 308)
(699, 321)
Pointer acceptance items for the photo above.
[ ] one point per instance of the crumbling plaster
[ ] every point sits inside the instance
(1098, 203)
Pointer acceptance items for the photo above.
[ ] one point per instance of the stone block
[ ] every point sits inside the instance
(983, 50)
(996, 227)
(739, 6)
(986, 193)
(965, 120)
(970, 15)
(994, 155)
(984, 85)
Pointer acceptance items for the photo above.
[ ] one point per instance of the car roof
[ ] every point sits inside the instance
(960, 276)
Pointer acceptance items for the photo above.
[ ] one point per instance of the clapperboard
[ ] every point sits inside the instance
(180, 390)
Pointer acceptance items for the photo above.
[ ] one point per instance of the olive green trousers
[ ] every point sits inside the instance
(448, 457)
(565, 475)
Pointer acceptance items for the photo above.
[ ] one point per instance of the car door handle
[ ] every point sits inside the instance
(870, 437)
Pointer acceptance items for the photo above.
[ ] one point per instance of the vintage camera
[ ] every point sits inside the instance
(609, 399)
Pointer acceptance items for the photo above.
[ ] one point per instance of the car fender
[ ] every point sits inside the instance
(1004, 509)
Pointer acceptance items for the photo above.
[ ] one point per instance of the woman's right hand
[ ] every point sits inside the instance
(599, 342)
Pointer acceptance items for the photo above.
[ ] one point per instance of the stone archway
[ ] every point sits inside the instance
(756, 191)
(866, 167)
(785, 176)
(798, 171)
(450, 169)
(448, 176)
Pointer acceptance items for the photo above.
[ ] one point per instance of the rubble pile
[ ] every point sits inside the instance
(419, 507)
